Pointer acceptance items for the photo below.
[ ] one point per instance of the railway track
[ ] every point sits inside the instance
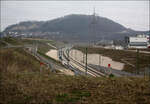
(72, 67)
(90, 70)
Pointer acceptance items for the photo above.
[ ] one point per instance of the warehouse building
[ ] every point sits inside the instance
(139, 41)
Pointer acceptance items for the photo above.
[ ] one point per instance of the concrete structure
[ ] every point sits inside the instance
(139, 41)
(119, 47)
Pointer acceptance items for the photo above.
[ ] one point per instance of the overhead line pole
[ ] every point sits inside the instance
(137, 62)
(83, 57)
(99, 59)
(68, 55)
(149, 70)
(86, 60)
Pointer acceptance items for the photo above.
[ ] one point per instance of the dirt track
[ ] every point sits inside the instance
(53, 54)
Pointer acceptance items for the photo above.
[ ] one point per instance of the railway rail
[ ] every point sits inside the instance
(90, 70)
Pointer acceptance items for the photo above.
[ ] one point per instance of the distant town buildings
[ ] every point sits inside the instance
(138, 41)
(109, 44)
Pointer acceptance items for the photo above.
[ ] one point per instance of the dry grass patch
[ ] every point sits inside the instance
(22, 83)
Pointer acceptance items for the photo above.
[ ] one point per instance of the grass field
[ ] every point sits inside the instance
(41, 43)
(120, 55)
(2, 44)
(13, 41)
(21, 82)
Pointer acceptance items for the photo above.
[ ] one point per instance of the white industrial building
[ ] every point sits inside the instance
(139, 41)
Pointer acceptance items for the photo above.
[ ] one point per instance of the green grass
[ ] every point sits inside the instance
(147, 49)
(13, 41)
(23, 83)
(2, 44)
(119, 55)
(41, 43)
(18, 59)
(43, 47)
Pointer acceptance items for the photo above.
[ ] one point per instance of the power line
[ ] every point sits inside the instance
(92, 26)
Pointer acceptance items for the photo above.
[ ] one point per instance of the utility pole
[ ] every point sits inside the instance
(75, 55)
(137, 62)
(68, 55)
(61, 52)
(86, 60)
(99, 60)
(36, 47)
(83, 57)
(149, 70)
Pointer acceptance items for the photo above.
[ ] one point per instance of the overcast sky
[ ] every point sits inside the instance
(131, 14)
